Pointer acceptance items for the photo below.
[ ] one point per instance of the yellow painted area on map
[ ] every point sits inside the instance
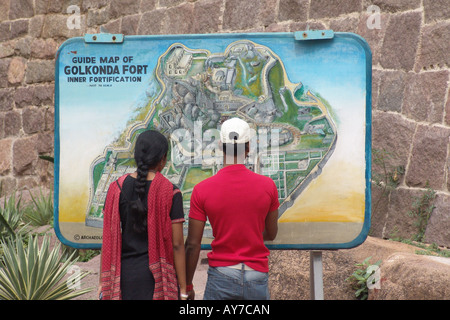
(73, 204)
(337, 195)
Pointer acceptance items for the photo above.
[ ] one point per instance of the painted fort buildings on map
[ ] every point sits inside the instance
(194, 92)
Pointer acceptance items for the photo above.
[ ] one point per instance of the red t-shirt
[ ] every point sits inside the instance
(236, 201)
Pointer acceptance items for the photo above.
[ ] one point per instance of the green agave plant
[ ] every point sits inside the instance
(10, 216)
(30, 272)
(40, 211)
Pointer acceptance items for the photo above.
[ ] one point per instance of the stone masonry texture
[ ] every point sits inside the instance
(410, 83)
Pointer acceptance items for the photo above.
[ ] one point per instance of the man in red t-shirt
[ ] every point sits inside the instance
(242, 207)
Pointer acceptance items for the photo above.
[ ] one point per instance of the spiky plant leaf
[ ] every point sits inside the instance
(35, 272)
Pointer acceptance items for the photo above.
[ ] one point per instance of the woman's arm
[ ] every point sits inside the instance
(179, 256)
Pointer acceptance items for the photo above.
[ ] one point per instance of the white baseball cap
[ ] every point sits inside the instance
(235, 130)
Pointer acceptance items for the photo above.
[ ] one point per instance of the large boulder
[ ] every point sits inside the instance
(407, 276)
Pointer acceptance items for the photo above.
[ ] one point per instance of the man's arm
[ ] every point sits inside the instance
(193, 246)
(271, 226)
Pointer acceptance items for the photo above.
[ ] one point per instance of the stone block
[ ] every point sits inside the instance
(50, 119)
(9, 185)
(333, 8)
(23, 46)
(448, 173)
(376, 74)
(27, 183)
(5, 31)
(130, 24)
(434, 47)
(6, 99)
(4, 10)
(118, 8)
(268, 12)
(280, 27)
(2, 125)
(40, 71)
(60, 6)
(394, 134)
(170, 3)
(4, 66)
(19, 28)
(179, 20)
(401, 41)
(43, 48)
(379, 214)
(435, 10)
(35, 27)
(438, 226)
(21, 9)
(151, 22)
(23, 96)
(98, 17)
(13, 123)
(428, 158)
(32, 120)
(148, 5)
(447, 110)
(93, 4)
(346, 24)
(55, 26)
(113, 26)
(307, 25)
(40, 6)
(424, 98)
(45, 143)
(296, 10)
(207, 16)
(5, 156)
(16, 70)
(6, 50)
(398, 222)
(392, 86)
(25, 155)
(240, 15)
(393, 5)
(372, 34)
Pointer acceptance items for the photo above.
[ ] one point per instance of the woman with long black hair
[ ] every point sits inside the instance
(143, 247)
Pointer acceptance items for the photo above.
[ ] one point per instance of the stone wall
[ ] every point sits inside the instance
(411, 102)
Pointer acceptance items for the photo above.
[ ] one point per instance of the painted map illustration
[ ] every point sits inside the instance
(192, 91)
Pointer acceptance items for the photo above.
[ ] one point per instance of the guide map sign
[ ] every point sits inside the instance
(306, 96)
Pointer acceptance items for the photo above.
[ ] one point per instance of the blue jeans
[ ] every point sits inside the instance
(233, 284)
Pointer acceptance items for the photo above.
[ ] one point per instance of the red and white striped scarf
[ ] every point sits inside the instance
(160, 249)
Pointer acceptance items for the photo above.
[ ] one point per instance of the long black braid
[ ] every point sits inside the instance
(151, 147)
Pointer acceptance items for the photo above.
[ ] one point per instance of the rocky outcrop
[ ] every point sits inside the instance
(408, 275)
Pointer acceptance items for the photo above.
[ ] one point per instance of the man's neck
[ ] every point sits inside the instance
(233, 162)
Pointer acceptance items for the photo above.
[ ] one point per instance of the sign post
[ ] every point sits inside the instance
(316, 275)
